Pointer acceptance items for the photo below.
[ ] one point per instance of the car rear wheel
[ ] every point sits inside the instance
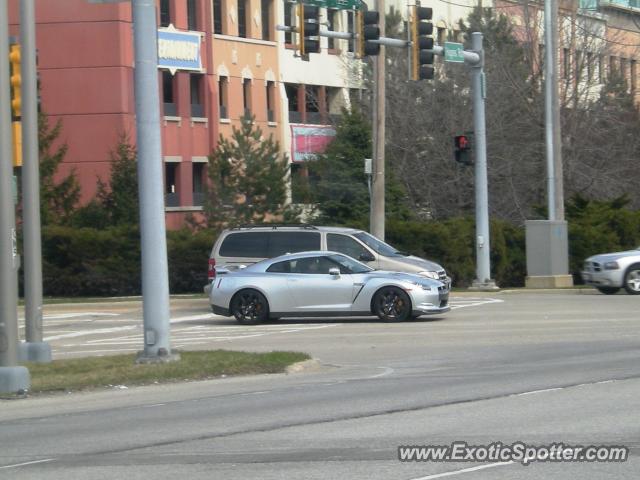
(632, 279)
(391, 304)
(249, 307)
(608, 290)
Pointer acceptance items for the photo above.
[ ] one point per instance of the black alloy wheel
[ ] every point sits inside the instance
(391, 304)
(249, 307)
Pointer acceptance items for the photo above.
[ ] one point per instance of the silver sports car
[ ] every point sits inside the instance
(312, 284)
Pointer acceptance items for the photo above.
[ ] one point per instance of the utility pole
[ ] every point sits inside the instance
(555, 106)
(377, 218)
(547, 240)
(13, 378)
(34, 349)
(155, 276)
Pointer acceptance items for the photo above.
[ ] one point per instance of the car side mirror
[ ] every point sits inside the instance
(366, 257)
(334, 272)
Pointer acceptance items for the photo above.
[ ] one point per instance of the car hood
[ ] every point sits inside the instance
(404, 277)
(427, 265)
(610, 257)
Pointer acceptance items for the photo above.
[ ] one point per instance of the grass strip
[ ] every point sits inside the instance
(97, 372)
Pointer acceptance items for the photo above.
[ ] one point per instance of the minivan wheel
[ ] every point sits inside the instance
(249, 307)
(632, 279)
(391, 304)
(608, 290)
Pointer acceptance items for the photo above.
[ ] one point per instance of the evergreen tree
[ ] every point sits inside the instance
(116, 201)
(339, 184)
(59, 195)
(247, 179)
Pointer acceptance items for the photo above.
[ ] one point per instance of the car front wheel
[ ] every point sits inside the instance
(249, 307)
(608, 290)
(632, 280)
(392, 304)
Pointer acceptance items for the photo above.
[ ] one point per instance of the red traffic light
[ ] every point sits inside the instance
(462, 142)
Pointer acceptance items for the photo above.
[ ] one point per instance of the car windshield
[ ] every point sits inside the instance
(349, 265)
(378, 246)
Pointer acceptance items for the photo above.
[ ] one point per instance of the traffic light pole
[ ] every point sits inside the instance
(155, 277)
(13, 378)
(475, 60)
(377, 211)
(34, 349)
(483, 248)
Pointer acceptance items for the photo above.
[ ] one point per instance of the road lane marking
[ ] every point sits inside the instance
(27, 463)
(464, 470)
(532, 392)
(455, 303)
(90, 332)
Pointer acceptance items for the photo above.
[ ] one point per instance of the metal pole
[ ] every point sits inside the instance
(155, 278)
(377, 222)
(557, 128)
(550, 84)
(483, 249)
(13, 378)
(34, 350)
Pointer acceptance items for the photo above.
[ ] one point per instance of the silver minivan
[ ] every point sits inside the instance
(242, 246)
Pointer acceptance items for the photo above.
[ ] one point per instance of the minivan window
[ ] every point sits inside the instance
(344, 244)
(378, 245)
(245, 244)
(281, 243)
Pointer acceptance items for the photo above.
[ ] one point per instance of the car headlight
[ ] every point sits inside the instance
(611, 266)
(433, 275)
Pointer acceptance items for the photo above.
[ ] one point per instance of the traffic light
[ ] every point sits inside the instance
(367, 30)
(463, 149)
(16, 81)
(421, 43)
(308, 29)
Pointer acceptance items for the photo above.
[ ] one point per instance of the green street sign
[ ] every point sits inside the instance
(337, 4)
(453, 52)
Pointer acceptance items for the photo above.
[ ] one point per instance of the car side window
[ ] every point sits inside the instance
(344, 244)
(312, 265)
(244, 244)
(280, 267)
(281, 243)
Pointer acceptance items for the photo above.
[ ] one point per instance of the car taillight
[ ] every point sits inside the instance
(211, 274)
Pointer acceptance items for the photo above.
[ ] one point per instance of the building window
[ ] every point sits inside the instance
(192, 14)
(242, 18)
(195, 85)
(589, 61)
(350, 29)
(566, 63)
(295, 116)
(168, 94)
(288, 38)
(165, 13)
(223, 97)
(632, 76)
(623, 71)
(171, 184)
(217, 17)
(332, 21)
(198, 178)
(271, 114)
(601, 69)
(312, 104)
(612, 66)
(246, 96)
(266, 19)
(441, 35)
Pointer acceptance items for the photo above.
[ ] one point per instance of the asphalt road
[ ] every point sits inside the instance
(531, 367)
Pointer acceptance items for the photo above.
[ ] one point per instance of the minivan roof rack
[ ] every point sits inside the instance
(275, 226)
